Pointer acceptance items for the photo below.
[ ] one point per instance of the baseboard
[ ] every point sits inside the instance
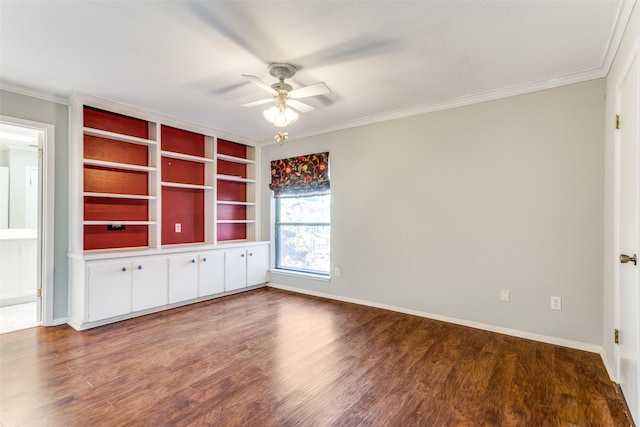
(592, 348)
(608, 366)
(59, 321)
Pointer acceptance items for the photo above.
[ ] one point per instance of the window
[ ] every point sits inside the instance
(303, 234)
(301, 188)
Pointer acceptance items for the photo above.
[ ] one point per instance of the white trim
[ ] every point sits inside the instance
(312, 276)
(33, 92)
(592, 348)
(47, 143)
(462, 101)
(617, 32)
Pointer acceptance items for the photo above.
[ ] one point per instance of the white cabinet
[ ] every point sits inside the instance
(235, 269)
(257, 265)
(109, 290)
(211, 273)
(183, 277)
(149, 284)
(246, 267)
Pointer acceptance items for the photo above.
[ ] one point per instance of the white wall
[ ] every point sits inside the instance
(29, 108)
(19, 160)
(436, 213)
(631, 38)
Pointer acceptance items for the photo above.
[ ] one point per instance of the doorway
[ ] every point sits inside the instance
(25, 233)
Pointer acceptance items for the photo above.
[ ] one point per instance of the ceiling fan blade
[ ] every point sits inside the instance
(300, 106)
(255, 103)
(260, 84)
(311, 90)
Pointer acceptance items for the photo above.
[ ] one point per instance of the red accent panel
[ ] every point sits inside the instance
(112, 122)
(98, 237)
(232, 149)
(232, 168)
(106, 209)
(186, 207)
(115, 151)
(182, 171)
(105, 180)
(232, 191)
(232, 212)
(232, 232)
(182, 141)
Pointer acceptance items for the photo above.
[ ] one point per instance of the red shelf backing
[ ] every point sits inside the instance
(112, 122)
(182, 141)
(185, 207)
(231, 191)
(115, 151)
(232, 149)
(106, 180)
(232, 168)
(232, 212)
(232, 232)
(98, 237)
(106, 209)
(182, 171)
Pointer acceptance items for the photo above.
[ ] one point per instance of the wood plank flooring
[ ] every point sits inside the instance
(272, 358)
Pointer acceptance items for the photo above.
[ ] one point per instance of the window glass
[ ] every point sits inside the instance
(303, 234)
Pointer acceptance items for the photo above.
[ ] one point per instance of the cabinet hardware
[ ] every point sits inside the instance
(124, 268)
(250, 253)
(242, 255)
(204, 260)
(193, 261)
(139, 267)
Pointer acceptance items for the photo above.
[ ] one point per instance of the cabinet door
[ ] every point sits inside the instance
(211, 273)
(257, 265)
(235, 269)
(149, 284)
(109, 290)
(183, 278)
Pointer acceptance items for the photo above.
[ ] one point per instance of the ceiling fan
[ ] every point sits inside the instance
(284, 95)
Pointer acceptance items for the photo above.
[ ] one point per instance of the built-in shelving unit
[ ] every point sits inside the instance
(162, 213)
(235, 198)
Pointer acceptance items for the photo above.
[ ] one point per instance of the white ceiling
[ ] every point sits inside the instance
(381, 59)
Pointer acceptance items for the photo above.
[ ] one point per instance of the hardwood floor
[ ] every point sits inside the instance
(272, 358)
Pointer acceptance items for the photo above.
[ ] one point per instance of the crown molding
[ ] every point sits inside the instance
(477, 98)
(33, 92)
(625, 8)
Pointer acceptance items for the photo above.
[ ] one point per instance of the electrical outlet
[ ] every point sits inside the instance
(336, 272)
(178, 228)
(556, 303)
(504, 295)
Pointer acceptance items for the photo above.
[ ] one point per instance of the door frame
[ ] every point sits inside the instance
(634, 55)
(46, 143)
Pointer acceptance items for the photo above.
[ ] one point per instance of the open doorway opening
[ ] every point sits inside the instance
(21, 151)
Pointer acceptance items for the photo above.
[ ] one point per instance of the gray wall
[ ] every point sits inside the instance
(29, 108)
(438, 212)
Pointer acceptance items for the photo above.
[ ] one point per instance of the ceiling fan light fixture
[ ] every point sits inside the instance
(280, 116)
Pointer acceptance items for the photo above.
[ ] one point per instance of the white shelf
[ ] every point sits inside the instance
(115, 222)
(234, 178)
(231, 202)
(235, 159)
(236, 221)
(115, 165)
(119, 196)
(117, 136)
(191, 186)
(188, 157)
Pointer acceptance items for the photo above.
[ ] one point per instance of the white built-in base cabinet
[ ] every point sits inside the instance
(108, 288)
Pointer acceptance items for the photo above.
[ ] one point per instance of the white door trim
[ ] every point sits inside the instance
(46, 141)
(634, 55)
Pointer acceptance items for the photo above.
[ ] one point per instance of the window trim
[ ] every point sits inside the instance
(289, 270)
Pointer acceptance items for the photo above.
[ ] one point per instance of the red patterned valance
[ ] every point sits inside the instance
(300, 176)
